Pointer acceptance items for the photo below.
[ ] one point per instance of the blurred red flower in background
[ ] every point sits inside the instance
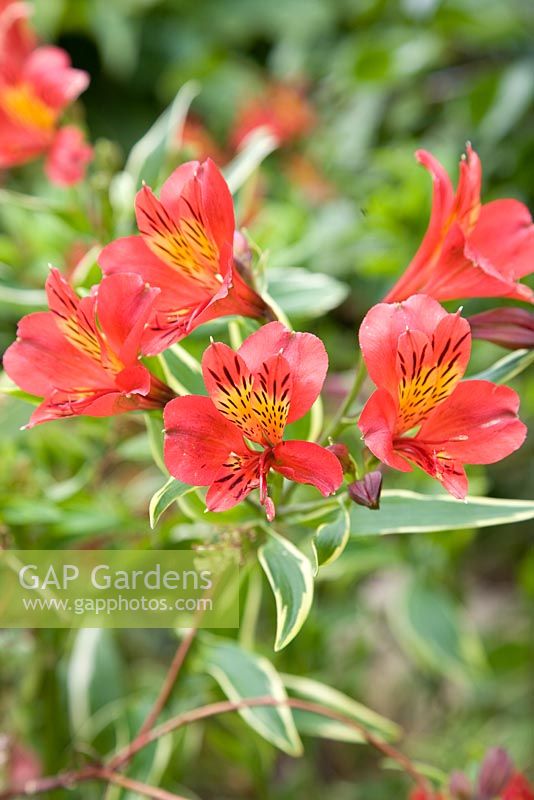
(273, 379)
(281, 108)
(469, 249)
(416, 353)
(37, 83)
(185, 248)
(82, 355)
(518, 789)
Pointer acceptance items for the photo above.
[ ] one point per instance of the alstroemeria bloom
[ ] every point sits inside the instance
(230, 440)
(469, 249)
(518, 789)
(82, 356)
(282, 109)
(425, 794)
(186, 249)
(36, 85)
(416, 353)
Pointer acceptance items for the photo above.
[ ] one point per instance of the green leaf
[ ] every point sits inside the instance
(182, 371)
(409, 512)
(258, 146)
(331, 538)
(290, 574)
(428, 626)
(164, 497)
(241, 674)
(94, 677)
(30, 298)
(154, 426)
(506, 368)
(315, 725)
(302, 293)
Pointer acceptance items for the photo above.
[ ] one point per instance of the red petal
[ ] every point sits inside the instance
(17, 40)
(466, 206)
(217, 204)
(68, 157)
(49, 70)
(271, 396)
(477, 424)
(42, 359)
(382, 327)
(172, 189)
(131, 254)
(429, 370)
(124, 304)
(377, 423)
(229, 383)
(504, 235)
(198, 440)
(307, 462)
(414, 277)
(134, 380)
(305, 354)
(76, 319)
(239, 475)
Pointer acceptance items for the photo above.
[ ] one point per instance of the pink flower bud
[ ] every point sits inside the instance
(495, 772)
(341, 451)
(460, 786)
(366, 492)
(508, 327)
(242, 251)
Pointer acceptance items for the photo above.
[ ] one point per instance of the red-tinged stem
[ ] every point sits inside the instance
(68, 780)
(225, 706)
(169, 683)
(109, 774)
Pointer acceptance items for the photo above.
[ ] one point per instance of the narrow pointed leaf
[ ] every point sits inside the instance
(318, 692)
(507, 368)
(164, 497)
(290, 574)
(331, 538)
(409, 512)
(241, 674)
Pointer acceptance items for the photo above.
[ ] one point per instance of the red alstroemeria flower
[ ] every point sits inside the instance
(82, 356)
(195, 138)
(282, 108)
(416, 353)
(36, 85)
(230, 440)
(469, 249)
(186, 249)
(424, 794)
(518, 789)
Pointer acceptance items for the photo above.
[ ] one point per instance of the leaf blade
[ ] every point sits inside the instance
(241, 675)
(290, 575)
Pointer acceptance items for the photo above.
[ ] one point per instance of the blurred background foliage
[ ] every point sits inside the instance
(431, 631)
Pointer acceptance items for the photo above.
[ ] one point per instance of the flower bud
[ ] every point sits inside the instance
(366, 492)
(242, 251)
(341, 451)
(508, 327)
(495, 772)
(460, 786)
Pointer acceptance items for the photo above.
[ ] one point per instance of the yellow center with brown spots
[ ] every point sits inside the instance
(23, 106)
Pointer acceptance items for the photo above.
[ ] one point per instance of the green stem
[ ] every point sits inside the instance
(337, 421)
